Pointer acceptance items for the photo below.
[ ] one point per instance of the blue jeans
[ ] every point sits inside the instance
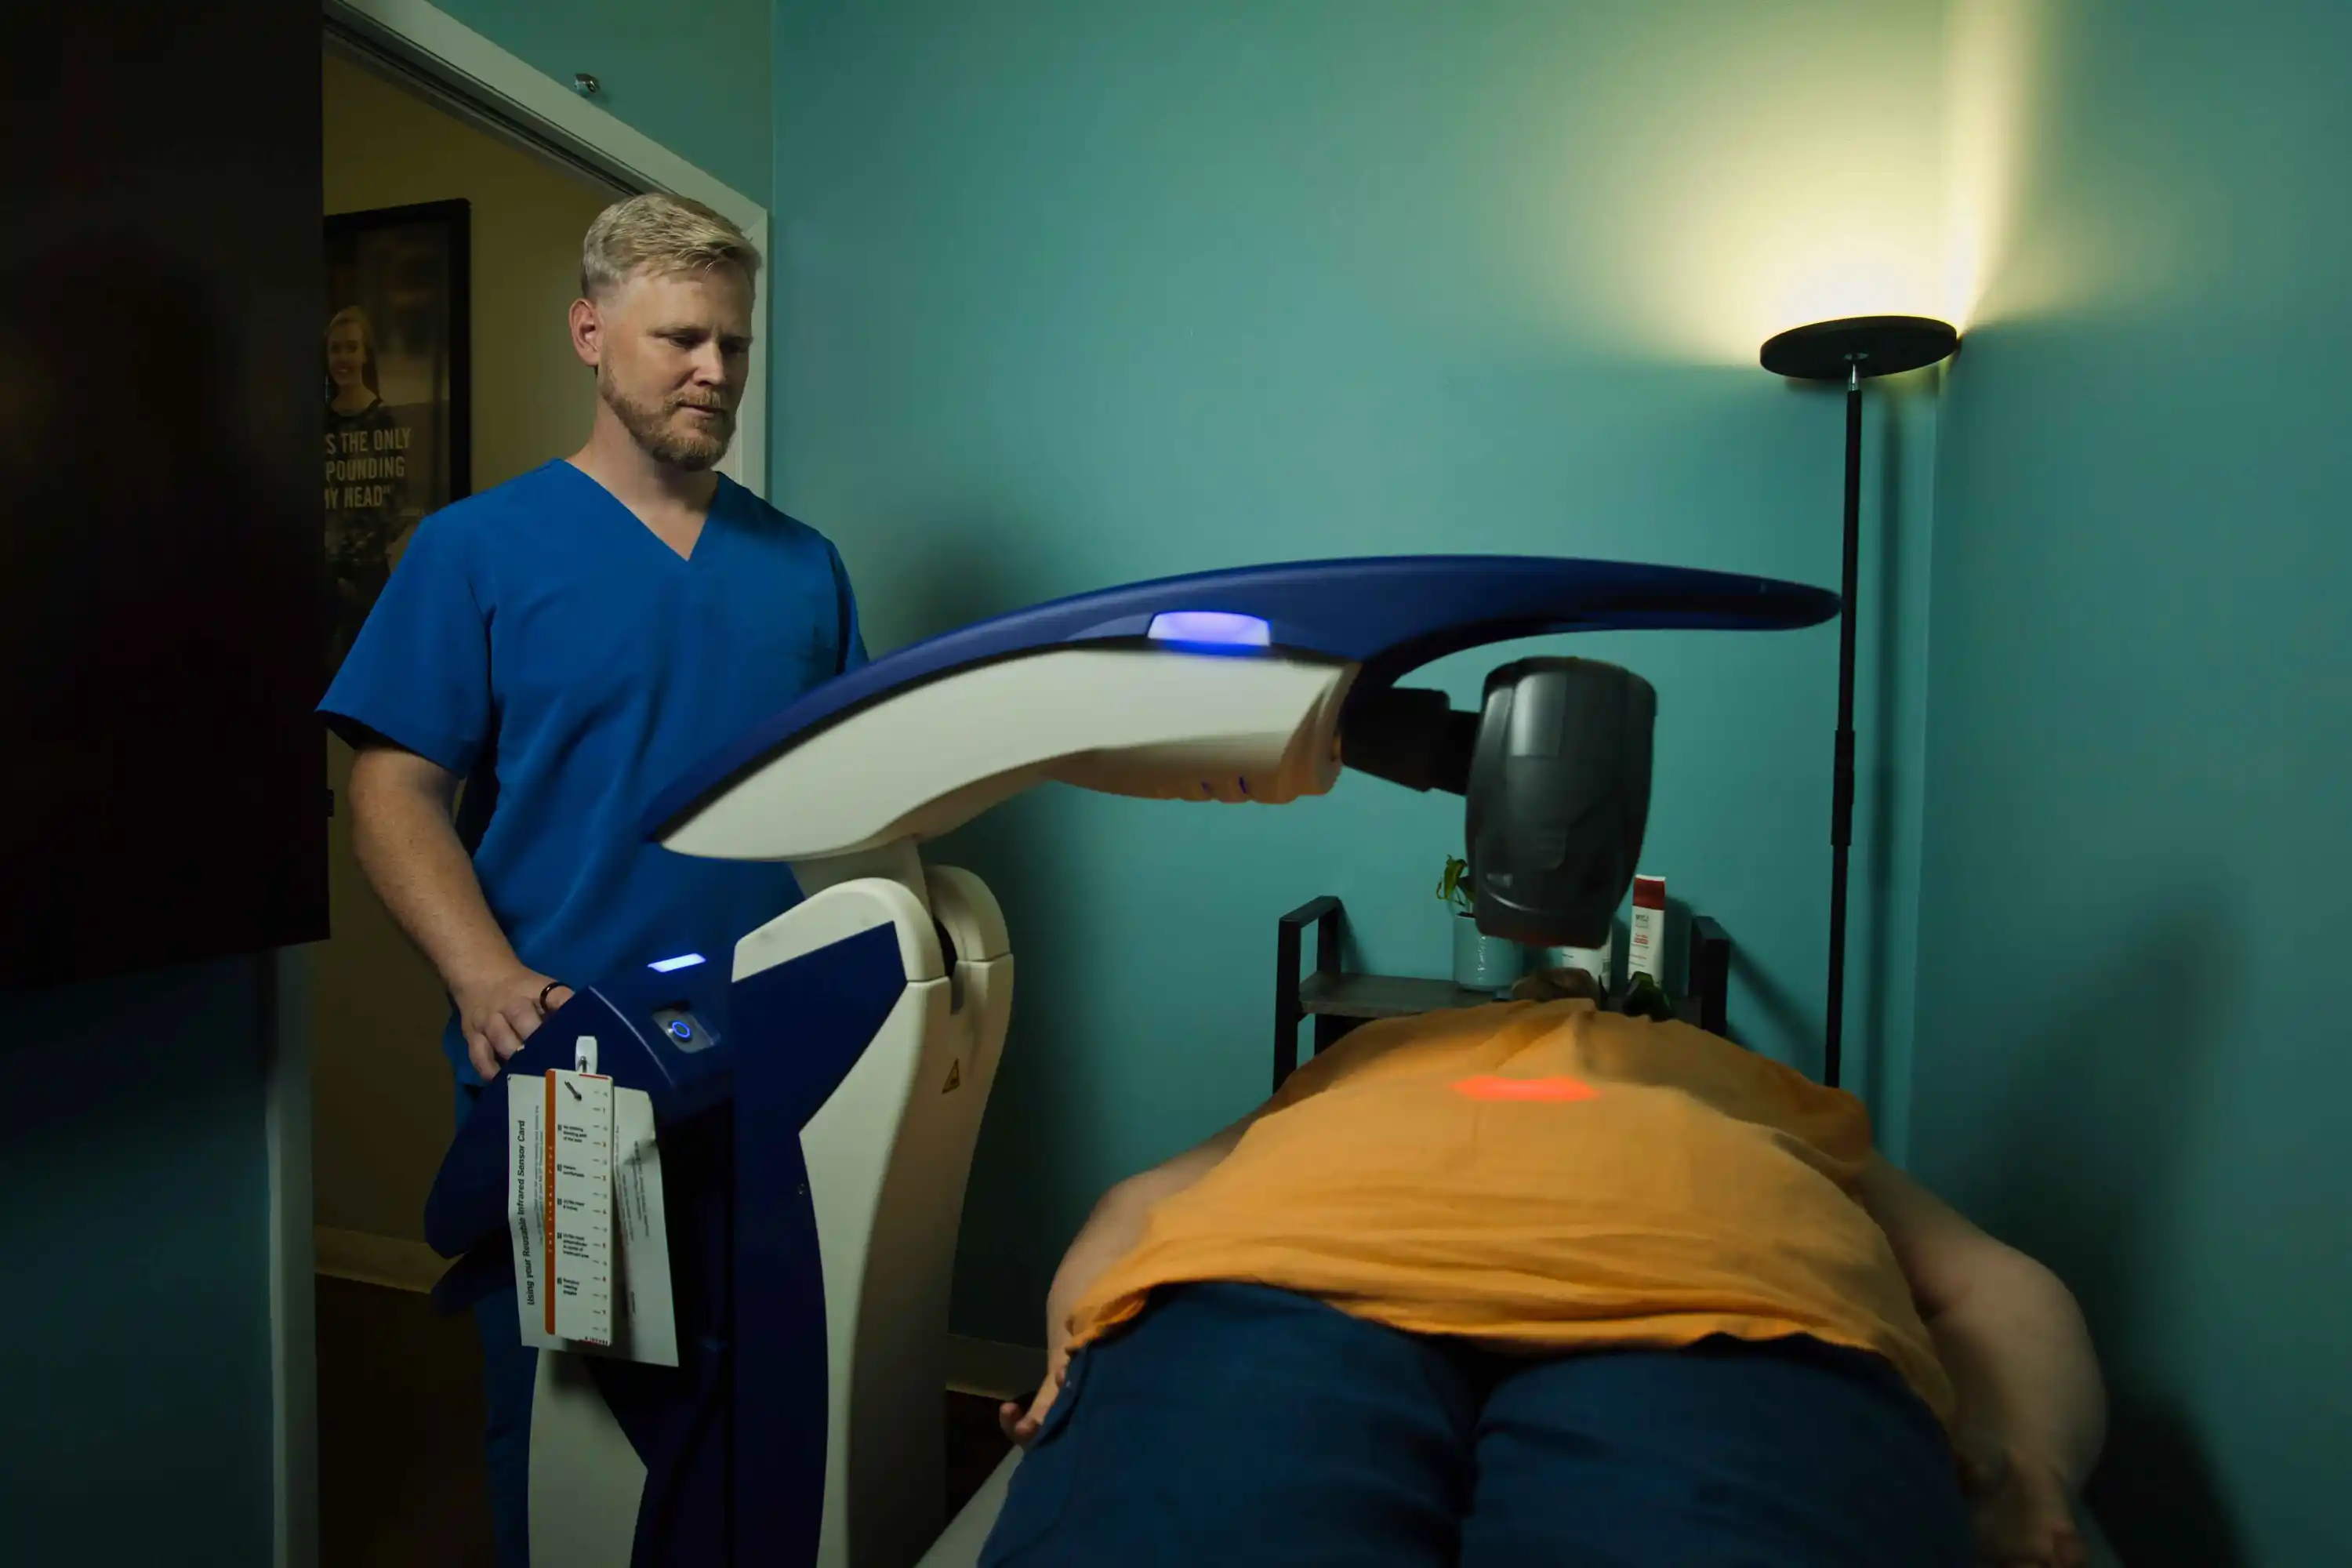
(509, 1369)
(1243, 1427)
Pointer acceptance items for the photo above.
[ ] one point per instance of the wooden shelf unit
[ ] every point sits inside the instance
(1339, 999)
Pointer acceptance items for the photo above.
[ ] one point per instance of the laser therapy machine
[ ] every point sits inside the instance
(775, 1395)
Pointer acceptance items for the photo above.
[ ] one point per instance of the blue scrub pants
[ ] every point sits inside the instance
(509, 1369)
(1238, 1426)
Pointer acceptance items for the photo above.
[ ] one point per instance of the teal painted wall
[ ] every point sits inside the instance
(693, 78)
(2131, 1052)
(134, 1329)
(1069, 295)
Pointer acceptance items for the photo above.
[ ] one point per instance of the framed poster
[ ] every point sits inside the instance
(396, 385)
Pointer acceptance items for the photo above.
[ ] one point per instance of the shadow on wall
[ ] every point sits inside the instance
(1876, 876)
(2155, 1494)
(981, 564)
(1757, 992)
(2100, 1108)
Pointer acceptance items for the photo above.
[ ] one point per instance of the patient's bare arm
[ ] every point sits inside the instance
(1110, 1232)
(2032, 1411)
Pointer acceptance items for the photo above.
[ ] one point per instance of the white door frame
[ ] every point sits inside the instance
(436, 45)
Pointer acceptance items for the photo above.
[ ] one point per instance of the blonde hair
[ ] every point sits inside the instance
(358, 317)
(663, 234)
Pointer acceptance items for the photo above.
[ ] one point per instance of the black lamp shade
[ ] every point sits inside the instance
(1864, 345)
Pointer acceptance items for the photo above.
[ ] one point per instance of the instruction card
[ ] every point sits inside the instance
(585, 1212)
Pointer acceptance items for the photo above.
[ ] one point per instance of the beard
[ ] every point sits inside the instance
(655, 427)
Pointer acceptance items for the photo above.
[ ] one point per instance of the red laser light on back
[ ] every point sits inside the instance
(1556, 1090)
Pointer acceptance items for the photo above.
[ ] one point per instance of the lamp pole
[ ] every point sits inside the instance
(1842, 775)
(1849, 351)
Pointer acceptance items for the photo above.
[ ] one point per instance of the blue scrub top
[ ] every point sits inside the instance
(539, 642)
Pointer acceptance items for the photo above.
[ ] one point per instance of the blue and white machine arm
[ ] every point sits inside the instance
(820, 1090)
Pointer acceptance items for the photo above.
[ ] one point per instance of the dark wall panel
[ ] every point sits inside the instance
(162, 794)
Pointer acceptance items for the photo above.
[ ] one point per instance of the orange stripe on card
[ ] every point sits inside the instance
(547, 1210)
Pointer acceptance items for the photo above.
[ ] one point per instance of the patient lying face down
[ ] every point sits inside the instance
(1535, 1284)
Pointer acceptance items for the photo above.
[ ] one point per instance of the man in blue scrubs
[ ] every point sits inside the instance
(563, 645)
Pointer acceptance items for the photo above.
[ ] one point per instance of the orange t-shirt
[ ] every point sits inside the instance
(1547, 1177)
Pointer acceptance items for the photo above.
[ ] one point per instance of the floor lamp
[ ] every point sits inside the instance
(1851, 351)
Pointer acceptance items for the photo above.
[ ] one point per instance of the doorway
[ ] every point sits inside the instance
(399, 1414)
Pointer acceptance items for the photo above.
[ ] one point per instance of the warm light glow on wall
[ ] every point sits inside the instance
(1734, 207)
(1778, 252)
(1991, 57)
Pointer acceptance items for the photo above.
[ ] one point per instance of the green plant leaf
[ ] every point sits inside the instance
(1454, 887)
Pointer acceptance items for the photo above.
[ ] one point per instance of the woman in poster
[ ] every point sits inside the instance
(366, 475)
